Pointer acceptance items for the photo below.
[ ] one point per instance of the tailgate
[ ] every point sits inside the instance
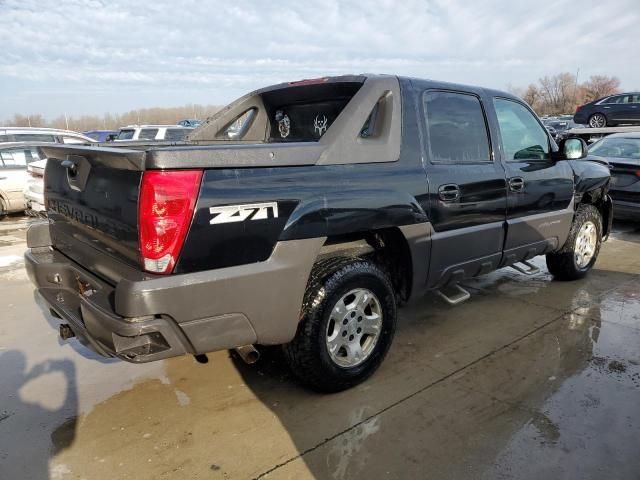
(91, 195)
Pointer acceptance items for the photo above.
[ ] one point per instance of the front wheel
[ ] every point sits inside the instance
(597, 120)
(347, 325)
(581, 249)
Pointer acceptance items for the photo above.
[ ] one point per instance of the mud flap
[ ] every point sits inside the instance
(607, 217)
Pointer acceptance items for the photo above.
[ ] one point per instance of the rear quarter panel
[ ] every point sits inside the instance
(314, 201)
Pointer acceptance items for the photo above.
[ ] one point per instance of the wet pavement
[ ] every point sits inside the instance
(530, 378)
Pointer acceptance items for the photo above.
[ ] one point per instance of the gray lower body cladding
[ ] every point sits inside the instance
(147, 320)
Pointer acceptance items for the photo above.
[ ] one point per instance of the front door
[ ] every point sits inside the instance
(540, 189)
(467, 188)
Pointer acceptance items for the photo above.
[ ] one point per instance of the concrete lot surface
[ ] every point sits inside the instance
(530, 378)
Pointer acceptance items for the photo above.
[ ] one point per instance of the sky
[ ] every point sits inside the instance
(93, 56)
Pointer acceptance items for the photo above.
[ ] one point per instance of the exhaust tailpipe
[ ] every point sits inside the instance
(65, 331)
(248, 353)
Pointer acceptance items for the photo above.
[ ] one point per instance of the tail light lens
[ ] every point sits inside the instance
(578, 108)
(167, 201)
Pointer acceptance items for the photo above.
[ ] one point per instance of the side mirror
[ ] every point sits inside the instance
(573, 149)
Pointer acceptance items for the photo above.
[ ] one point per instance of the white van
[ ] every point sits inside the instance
(152, 133)
(14, 159)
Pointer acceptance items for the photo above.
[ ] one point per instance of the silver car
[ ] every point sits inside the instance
(42, 135)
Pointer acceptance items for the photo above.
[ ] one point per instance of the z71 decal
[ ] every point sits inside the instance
(240, 213)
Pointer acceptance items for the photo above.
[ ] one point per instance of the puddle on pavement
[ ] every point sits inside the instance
(560, 401)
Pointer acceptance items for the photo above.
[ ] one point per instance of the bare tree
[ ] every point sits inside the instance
(109, 121)
(558, 93)
(599, 86)
(532, 96)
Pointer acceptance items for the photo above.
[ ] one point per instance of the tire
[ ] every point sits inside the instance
(598, 120)
(336, 284)
(569, 263)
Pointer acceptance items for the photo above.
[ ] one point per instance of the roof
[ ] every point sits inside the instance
(58, 131)
(11, 145)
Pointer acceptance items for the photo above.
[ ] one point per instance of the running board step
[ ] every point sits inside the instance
(530, 269)
(455, 297)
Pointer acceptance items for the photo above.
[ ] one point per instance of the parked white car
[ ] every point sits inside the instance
(42, 135)
(14, 159)
(34, 191)
(152, 133)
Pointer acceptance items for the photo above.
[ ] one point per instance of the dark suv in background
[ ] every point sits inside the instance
(610, 111)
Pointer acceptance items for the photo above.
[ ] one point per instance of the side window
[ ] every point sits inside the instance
(34, 137)
(125, 134)
(148, 134)
(176, 133)
(237, 128)
(617, 99)
(523, 138)
(456, 128)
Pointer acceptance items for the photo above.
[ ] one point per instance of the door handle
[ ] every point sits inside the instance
(449, 192)
(516, 184)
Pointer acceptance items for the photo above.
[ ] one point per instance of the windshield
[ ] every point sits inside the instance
(617, 147)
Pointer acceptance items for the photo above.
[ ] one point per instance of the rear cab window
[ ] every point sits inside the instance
(523, 138)
(305, 114)
(456, 128)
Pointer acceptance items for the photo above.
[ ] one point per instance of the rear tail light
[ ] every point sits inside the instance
(638, 173)
(578, 108)
(167, 201)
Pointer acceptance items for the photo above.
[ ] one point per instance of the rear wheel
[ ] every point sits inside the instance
(581, 249)
(597, 120)
(348, 322)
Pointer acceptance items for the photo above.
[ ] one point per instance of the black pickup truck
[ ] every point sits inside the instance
(302, 214)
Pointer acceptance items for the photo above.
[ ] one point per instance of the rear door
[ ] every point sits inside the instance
(634, 107)
(467, 187)
(540, 190)
(622, 110)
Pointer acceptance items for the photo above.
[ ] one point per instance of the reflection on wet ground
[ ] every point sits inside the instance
(530, 378)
